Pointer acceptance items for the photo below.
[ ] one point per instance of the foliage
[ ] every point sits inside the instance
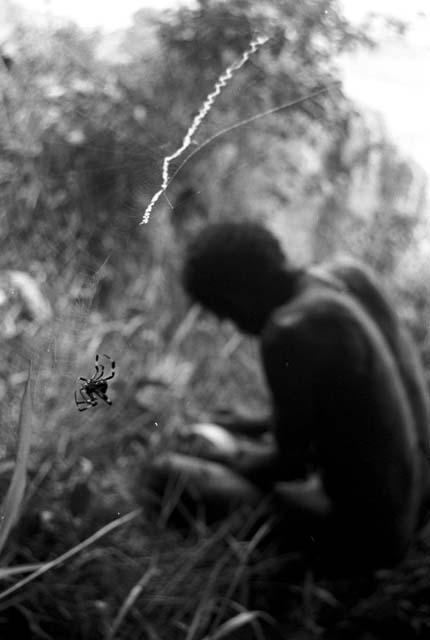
(304, 40)
(84, 137)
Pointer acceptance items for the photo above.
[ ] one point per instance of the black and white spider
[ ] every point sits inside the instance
(95, 386)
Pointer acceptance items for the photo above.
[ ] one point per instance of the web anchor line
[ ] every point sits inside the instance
(205, 109)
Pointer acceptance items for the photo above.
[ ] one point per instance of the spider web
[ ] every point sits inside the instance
(57, 350)
(64, 347)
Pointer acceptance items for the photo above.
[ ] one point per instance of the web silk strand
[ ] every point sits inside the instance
(222, 81)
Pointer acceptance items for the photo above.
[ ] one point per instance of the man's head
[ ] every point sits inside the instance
(237, 271)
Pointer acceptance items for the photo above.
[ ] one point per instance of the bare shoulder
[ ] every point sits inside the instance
(315, 326)
(362, 284)
(351, 273)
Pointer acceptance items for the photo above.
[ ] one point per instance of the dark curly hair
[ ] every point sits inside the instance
(229, 260)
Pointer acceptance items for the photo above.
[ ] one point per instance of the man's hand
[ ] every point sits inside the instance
(242, 423)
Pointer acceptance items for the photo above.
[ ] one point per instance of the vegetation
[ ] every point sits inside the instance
(85, 125)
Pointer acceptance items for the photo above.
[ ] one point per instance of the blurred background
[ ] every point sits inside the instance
(93, 98)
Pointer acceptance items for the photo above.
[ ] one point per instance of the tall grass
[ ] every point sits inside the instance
(9, 509)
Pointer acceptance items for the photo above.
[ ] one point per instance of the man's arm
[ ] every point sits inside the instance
(290, 364)
(238, 422)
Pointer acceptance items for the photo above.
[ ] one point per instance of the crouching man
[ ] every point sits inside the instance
(350, 422)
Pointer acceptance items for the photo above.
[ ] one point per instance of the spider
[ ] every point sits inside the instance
(95, 386)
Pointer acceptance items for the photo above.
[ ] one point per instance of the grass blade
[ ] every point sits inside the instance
(13, 499)
(238, 621)
(114, 524)
(130, 600)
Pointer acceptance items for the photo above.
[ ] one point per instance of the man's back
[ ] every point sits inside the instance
(342, 411)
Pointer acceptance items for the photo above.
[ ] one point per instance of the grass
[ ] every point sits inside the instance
(82, 475)
(82, 562)
(13, 499)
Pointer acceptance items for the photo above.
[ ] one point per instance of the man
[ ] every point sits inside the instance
(350, 411)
